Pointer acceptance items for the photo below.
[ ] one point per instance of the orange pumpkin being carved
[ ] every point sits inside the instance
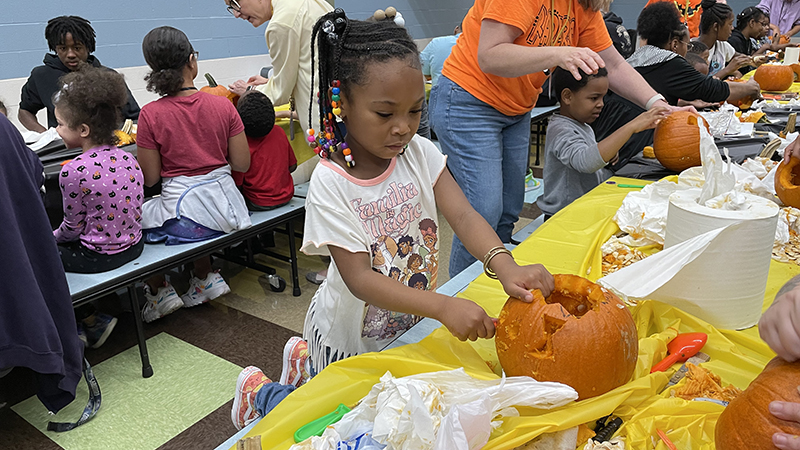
(746, 422)
(774, 77)
(676, 141)
(581, 335)
(215, 89)
(787, 177)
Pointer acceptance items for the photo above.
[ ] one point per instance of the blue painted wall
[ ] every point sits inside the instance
(120, 27)
(214, 33)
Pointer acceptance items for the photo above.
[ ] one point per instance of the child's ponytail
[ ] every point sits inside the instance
(167, 50)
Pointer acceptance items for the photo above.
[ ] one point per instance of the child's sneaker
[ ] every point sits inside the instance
(295, 357)
(101, 328)
(165, 301)
(250, 381)
(201, 291)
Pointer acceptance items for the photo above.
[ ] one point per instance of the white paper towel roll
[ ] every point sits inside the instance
(724, 285)
(714, 264)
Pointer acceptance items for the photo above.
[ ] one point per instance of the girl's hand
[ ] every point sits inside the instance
(776, 32)
(465, 319)
(779, 326)
(574, 58)
(753, 88)
(518, 281)
(790, 412)
(650, 118)
(741, 60)
(791, 150)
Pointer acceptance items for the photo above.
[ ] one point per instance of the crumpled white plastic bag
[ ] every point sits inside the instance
(788, 219)
(643, 214)
(723, 121)
(36, 141)
(471, 416)
(717, 174)
(407, 413)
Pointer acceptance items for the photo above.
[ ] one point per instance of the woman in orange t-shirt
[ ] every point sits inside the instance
(690, 12)
(480, 107)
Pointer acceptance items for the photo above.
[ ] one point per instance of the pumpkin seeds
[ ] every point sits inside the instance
(617, 255)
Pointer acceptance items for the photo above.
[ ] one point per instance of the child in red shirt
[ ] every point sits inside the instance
(267, 184)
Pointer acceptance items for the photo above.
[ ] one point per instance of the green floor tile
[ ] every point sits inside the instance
(143, 413)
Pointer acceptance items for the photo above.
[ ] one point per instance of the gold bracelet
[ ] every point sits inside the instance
(488, 259)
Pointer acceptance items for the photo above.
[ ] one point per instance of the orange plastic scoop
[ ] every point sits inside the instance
(683, 347)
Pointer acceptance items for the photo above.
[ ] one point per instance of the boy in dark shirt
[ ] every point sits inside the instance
(72, 39)
(268, 183)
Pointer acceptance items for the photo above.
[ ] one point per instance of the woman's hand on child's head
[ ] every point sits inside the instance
(650, 118)
(465, 319)
(574, 58)
(519, 281)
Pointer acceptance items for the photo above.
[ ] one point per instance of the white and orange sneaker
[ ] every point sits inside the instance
(295, 361)
(250, 381)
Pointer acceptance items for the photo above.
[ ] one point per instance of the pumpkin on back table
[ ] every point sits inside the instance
(676, 141)
(581, 335)
(221, 91)
(775, 77)
(746, 422)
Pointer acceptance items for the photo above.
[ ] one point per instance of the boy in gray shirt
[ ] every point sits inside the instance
(574, 161)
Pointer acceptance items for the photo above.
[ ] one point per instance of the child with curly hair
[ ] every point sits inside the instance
(102, 187)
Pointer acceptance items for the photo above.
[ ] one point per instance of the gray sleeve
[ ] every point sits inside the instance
(575, 148)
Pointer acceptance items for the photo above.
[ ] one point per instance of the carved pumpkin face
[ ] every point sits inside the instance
(787, 177)
(582, 336)
(746, 422)
(676, 141)
(774, 77)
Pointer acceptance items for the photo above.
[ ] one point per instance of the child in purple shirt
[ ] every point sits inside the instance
(102, 188)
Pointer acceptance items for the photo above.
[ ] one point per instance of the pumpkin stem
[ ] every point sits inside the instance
(211, 82)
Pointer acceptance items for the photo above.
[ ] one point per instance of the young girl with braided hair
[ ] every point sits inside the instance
(376, 183)
(372, 206)
(716, 26)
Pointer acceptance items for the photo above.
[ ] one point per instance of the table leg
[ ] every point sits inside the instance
(293, 257)
(147, 369)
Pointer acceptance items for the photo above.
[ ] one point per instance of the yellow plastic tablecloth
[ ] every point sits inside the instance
(302, 152)
(567, 243)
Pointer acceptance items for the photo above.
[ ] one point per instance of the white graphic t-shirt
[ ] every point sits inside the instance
(391, 217)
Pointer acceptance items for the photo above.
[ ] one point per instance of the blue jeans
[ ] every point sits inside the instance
(487, 153)
(268, 397)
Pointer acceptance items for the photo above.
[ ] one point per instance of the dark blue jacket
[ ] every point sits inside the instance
(37, 323)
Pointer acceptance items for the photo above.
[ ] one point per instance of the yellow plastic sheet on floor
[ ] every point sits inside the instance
(567, 243)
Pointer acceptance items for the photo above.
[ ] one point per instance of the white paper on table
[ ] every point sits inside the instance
(38, 141)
